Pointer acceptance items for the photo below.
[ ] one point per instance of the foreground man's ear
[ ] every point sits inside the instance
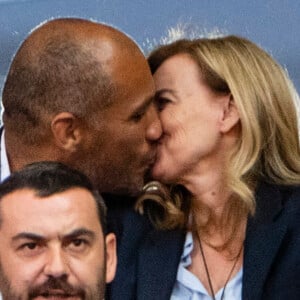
(66, 131)
(111, 257)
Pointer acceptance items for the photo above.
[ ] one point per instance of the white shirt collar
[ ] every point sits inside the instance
(5, 171)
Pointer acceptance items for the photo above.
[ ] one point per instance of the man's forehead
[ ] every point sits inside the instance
(17, 196)
(70, 203)
(37, 217)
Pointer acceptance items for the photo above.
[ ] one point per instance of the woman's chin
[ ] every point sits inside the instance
(157, 172)
(160, 174)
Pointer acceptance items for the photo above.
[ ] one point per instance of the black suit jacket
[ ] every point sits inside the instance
(130, 228)
(148, 259)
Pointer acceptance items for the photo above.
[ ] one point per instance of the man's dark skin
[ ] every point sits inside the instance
(81, 93)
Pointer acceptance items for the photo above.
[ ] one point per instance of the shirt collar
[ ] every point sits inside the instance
(5, 171)
(187, 250)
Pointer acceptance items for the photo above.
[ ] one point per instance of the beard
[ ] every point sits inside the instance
(51, 287)
(61, 284)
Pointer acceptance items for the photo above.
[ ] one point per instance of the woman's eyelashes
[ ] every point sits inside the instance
(161, 103)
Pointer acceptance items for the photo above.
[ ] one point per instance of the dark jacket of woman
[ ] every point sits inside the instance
(148, 258)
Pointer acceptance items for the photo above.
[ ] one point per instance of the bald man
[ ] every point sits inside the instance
(81, 93)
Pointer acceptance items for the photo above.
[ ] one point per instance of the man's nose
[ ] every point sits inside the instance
(56, 264)
(154, 129)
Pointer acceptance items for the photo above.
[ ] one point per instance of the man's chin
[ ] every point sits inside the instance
(131, 189)
(148, 176)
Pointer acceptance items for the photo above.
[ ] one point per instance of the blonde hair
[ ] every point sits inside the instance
(268, 147)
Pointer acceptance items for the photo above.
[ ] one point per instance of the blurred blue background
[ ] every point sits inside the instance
(273, 24)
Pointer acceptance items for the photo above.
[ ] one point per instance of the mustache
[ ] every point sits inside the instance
(56, 286)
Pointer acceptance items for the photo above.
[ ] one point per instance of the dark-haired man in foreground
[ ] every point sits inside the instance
(52, 236)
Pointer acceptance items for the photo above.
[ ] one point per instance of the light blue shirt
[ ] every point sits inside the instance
(189, 287)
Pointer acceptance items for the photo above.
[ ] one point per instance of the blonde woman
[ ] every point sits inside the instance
(229, 223)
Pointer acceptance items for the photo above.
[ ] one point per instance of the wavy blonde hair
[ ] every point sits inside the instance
(268, 147)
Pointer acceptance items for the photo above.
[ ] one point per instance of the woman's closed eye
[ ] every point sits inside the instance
(161, 103)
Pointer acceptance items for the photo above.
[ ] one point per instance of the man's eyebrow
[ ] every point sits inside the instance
(79, 232)
(144, 105)
(28, 236)
(36, 237)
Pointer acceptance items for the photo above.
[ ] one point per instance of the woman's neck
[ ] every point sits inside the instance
(208, 187)
(218, 216)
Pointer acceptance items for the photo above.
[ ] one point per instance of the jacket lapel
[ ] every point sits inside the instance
(265, 233)
(130, 233)
(158, 261)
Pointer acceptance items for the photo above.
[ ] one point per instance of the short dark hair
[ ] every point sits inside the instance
(48, 178)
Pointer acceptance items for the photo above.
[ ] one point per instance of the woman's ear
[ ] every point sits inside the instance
(230, 115)
(66, 131)
(111, 256)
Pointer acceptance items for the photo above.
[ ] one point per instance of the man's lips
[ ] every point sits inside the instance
(150, 160)
(55, 295)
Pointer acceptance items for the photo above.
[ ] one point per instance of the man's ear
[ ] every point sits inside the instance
(111, 257)
(66, 131)
(230, 116)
